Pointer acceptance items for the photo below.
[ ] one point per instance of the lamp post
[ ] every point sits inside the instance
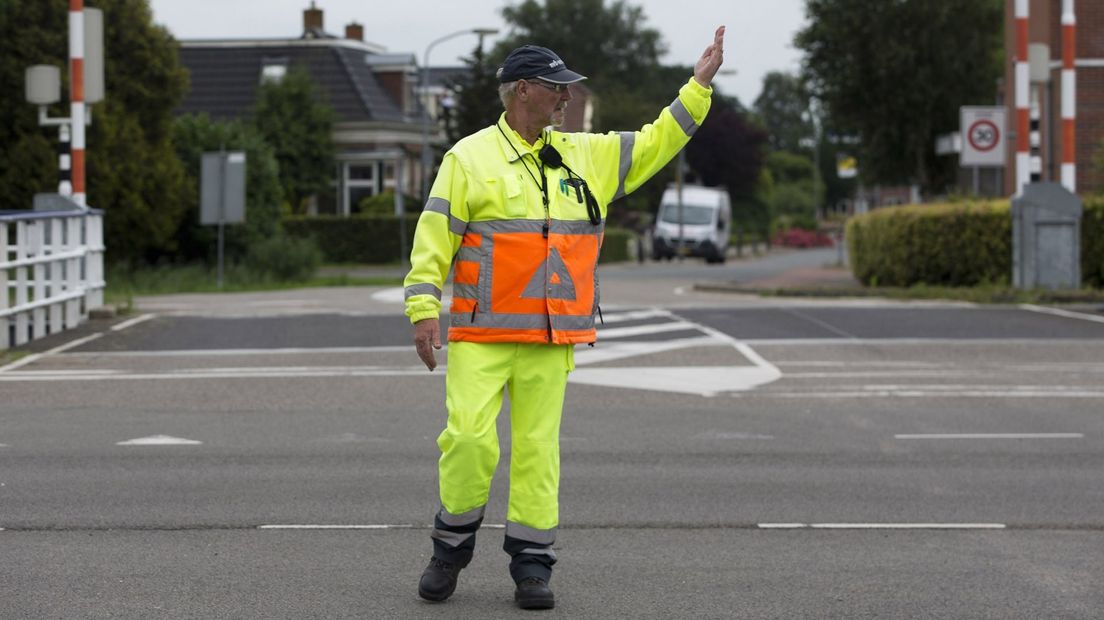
(426, 160)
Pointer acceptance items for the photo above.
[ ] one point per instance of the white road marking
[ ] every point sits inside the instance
(30, 359)
(804, 342)
(1063, 313)
(243, 352)
(609, 351)
(639, 330)
(388, 526)
(903, 393)
(228, 373)
(875, 373)
(885, 526)
(132, 322)
(635, 315)
(993, 436)
(159, 440)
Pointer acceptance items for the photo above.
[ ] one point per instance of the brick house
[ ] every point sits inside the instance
(1045, 26)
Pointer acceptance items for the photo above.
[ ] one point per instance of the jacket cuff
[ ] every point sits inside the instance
(697, 90)
(424, 314)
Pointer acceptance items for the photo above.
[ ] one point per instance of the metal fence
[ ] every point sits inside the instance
(51, 272)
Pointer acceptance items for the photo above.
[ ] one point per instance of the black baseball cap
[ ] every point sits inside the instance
(534, 61)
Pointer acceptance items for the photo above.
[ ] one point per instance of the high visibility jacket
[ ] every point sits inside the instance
(523, 272)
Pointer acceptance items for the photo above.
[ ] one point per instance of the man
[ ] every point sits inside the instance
(517, 210)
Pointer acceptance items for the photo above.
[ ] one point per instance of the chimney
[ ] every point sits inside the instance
(312, 19)
(354, 31)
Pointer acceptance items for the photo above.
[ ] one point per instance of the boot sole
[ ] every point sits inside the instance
(535, 603)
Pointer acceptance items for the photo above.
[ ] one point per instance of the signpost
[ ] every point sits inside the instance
(983, 138)
(222, 194)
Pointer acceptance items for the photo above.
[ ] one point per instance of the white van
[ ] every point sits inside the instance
(706, 223)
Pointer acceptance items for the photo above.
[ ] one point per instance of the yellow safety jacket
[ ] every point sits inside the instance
(524, 272)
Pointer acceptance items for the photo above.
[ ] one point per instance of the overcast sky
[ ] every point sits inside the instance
(758, 40)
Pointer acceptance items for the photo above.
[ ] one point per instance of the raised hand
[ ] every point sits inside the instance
(711, 59)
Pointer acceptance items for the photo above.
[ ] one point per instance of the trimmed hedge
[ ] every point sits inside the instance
(963, 244)
(373, 239)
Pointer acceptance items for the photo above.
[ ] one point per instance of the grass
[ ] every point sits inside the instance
(124, 284)
(7, 357)
(981, 294)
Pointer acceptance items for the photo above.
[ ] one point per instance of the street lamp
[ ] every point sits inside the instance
(426, 160)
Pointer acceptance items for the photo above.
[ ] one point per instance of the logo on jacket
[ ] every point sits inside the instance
(553, 276)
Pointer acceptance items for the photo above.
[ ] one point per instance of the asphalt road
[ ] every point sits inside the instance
(811, 460)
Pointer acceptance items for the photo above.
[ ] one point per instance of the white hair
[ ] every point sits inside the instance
(507, 92)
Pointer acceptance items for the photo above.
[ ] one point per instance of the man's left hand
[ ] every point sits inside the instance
(711, 60)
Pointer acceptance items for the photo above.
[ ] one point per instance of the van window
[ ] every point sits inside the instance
(692, 214)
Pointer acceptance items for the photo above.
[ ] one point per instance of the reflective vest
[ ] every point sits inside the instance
(521, 272)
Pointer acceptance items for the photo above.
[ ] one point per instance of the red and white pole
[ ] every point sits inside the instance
(76, 96)
(1023, 80)
(1069, 96)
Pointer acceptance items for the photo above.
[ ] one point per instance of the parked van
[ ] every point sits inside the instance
(706, 224)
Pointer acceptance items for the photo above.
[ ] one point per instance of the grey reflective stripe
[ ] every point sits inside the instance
(506, 226)
(452, 539)
(457, 226)
(683, 118)
(486, 272)
(575, 227)
(572, 322)
(466, 291)
(499, 321)
(535, 551)
(560, 227)
(437, 205)
(628, 139)
(422, 289)
(469, 253)
(466, 518)
(530, 534)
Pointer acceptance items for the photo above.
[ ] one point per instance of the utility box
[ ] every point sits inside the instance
(1046, 237)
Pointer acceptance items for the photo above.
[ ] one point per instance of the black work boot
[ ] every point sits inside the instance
(534, 593)
(438, 580)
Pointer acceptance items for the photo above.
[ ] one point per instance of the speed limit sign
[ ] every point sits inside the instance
(983, 141)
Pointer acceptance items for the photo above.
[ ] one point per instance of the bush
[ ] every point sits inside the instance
(384, 204)
(615, 245)
(962, 244)
(283, 258)
(949, 245)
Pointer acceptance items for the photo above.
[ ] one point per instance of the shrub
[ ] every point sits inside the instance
(950, 245)
(283, 258)
(1092, 242)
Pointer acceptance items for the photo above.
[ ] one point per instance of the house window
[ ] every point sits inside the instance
(273, 70)
(361, 181)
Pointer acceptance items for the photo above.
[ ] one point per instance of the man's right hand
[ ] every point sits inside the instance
(427, 337)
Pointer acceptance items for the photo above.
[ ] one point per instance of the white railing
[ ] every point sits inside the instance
(51, 272)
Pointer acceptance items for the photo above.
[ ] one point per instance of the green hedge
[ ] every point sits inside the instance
(369, 239)
(962, 244)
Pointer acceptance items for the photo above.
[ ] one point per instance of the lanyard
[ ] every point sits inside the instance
(542, 185)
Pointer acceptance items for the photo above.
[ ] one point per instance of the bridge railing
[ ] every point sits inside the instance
(51, 272)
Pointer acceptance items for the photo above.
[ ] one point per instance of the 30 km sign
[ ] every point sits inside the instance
(983, 142)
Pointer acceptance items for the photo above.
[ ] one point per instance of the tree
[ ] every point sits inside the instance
(781, 107)
(896, 73)
(297, 123)
(192, 136)
(477, 104)
(131, 170)
(728, 151)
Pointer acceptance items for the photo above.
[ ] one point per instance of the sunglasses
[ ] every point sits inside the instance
(556, 88)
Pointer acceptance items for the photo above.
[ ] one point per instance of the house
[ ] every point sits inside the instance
(378, 128)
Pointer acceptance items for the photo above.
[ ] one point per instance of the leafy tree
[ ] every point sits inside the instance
(297, 123)
(795, 192)
(728, 151)
(131, 170)
(194, 135)
(897, 72)
(477, 105)
(781, 107)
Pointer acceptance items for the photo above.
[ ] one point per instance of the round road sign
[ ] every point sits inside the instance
(983, 135)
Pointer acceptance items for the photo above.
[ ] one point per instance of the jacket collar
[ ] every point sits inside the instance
(514, 139)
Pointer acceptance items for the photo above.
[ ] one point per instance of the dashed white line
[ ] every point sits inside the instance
(1063, 313)
(132, 322)
(657, 328)
(30, 359)
(993, 436)
(884, 526)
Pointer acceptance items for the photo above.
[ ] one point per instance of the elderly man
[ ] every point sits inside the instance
(517, 210)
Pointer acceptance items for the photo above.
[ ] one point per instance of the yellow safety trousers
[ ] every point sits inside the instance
(536, 377)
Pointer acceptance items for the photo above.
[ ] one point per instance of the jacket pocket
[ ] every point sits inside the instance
(514, 197)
